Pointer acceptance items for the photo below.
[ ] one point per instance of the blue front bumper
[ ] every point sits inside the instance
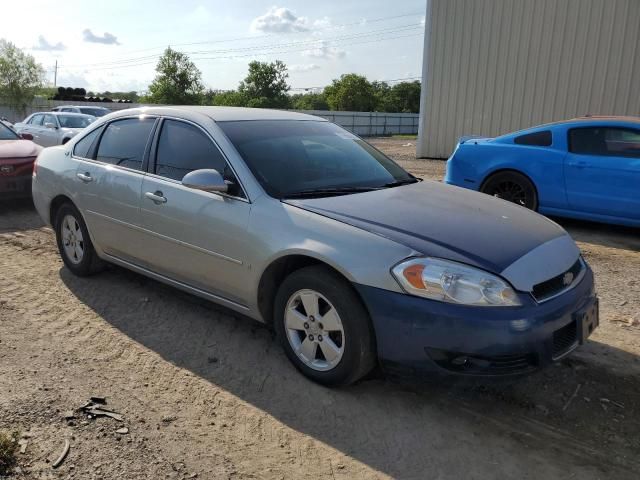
(426, 335)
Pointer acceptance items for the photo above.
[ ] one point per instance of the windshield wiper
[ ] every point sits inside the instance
(399, 183)
(319, 192)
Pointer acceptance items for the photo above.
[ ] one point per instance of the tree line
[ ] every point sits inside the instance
(178, 81)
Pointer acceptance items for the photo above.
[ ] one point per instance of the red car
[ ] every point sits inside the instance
(17, 155)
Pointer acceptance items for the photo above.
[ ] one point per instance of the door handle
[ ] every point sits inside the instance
(578, 164)
(85, 177)
(156, 197)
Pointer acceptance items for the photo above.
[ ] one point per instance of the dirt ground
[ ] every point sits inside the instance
(205, 393)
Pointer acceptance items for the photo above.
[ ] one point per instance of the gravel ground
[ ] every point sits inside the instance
(205, 393)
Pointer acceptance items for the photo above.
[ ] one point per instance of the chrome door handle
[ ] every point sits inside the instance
(85, 177)
(156, 197)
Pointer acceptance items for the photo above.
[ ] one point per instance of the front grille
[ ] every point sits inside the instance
(550, 288)
(565, 339)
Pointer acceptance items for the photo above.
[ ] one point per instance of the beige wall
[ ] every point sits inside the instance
(493, 66)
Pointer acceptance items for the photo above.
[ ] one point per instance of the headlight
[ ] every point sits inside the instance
(453, 282)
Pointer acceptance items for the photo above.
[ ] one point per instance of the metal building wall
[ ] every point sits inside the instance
(494, 66)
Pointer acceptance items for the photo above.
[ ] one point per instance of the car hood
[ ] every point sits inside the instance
(447, 222)
(18, 149)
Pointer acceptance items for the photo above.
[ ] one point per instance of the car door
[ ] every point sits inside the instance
(602, 171)
(109, 178)
(195, 237)
(35, 128)
(50, 131)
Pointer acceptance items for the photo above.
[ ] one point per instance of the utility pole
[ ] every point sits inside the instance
(55, 75)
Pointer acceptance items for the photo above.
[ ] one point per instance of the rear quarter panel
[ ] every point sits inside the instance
(471, 164)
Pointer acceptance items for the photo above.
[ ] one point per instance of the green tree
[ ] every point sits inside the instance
(266, 85)
(178, 80)
(309, 101)
(382, 94)
(231, 98)
(405, 97)
(20, 76)
(351, 92)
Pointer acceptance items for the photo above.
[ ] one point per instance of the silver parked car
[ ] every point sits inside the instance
(293, 221)
(53, 128)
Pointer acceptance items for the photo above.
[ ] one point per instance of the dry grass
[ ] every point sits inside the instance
(8, 447)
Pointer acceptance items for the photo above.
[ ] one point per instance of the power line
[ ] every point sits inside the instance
(385, 81)
(320, 42)
(254, 54)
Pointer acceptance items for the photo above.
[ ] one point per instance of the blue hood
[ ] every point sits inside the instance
(442, 221)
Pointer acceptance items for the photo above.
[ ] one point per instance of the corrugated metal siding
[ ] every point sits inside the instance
(495, 66)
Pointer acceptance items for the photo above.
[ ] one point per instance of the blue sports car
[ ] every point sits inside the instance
(587, 168)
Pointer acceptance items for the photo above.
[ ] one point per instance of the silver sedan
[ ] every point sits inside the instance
(293, 221)
(53, 128)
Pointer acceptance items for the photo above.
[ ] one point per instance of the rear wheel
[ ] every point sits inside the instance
(74, 244)
(323, 327)
(512, 187)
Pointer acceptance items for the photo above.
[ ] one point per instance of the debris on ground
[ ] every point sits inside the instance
(575, 393)
(8, 446)
(94, 409)
(122, 431)
(23, 443)
(63, 455)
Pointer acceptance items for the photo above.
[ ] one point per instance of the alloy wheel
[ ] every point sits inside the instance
(72, 239)
(314, 330)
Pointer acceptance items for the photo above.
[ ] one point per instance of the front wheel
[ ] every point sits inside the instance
(512, 187)
(323, 327)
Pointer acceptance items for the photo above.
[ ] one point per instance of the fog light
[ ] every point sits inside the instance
(460, 361)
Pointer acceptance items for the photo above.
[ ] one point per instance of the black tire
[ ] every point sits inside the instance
(90, 263)
(512, 187)
(359, 356)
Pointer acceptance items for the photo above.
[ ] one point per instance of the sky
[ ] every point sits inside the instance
(115, 45)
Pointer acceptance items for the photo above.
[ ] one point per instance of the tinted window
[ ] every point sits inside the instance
(183, 148)
(96, 112)
(83, 146)
(124, 141)
(36, 120)
(290, 156)
(607, 141)
(536, 139)
(6, 133)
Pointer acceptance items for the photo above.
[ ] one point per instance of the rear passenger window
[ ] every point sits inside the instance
(83, 146)
(605, 141)
(535, 139)
(124, 141)
(183, 148)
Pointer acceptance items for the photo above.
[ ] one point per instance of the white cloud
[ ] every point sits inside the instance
(107, 38)
(325, 51)
(43, 44)
(307, 67)
(280, 20)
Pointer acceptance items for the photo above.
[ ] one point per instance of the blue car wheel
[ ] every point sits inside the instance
(513, 187)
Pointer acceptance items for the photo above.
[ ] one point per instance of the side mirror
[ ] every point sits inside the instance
(50, 125)
(26, 136)
(208, 180)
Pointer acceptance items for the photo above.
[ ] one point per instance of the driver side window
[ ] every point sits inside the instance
(183, 148)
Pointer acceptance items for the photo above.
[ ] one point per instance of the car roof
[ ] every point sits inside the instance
(218, 114)
(66, 114)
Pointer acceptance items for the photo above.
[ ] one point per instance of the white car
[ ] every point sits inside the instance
(53, 128)
(87, 110)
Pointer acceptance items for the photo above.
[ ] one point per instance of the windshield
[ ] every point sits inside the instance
(289, 157)
(73, 121)
(6, 133)
(96, 112)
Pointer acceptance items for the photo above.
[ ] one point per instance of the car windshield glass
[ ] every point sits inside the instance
(96, 112)
(73, 121)
(292, 157)
(6, 133)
